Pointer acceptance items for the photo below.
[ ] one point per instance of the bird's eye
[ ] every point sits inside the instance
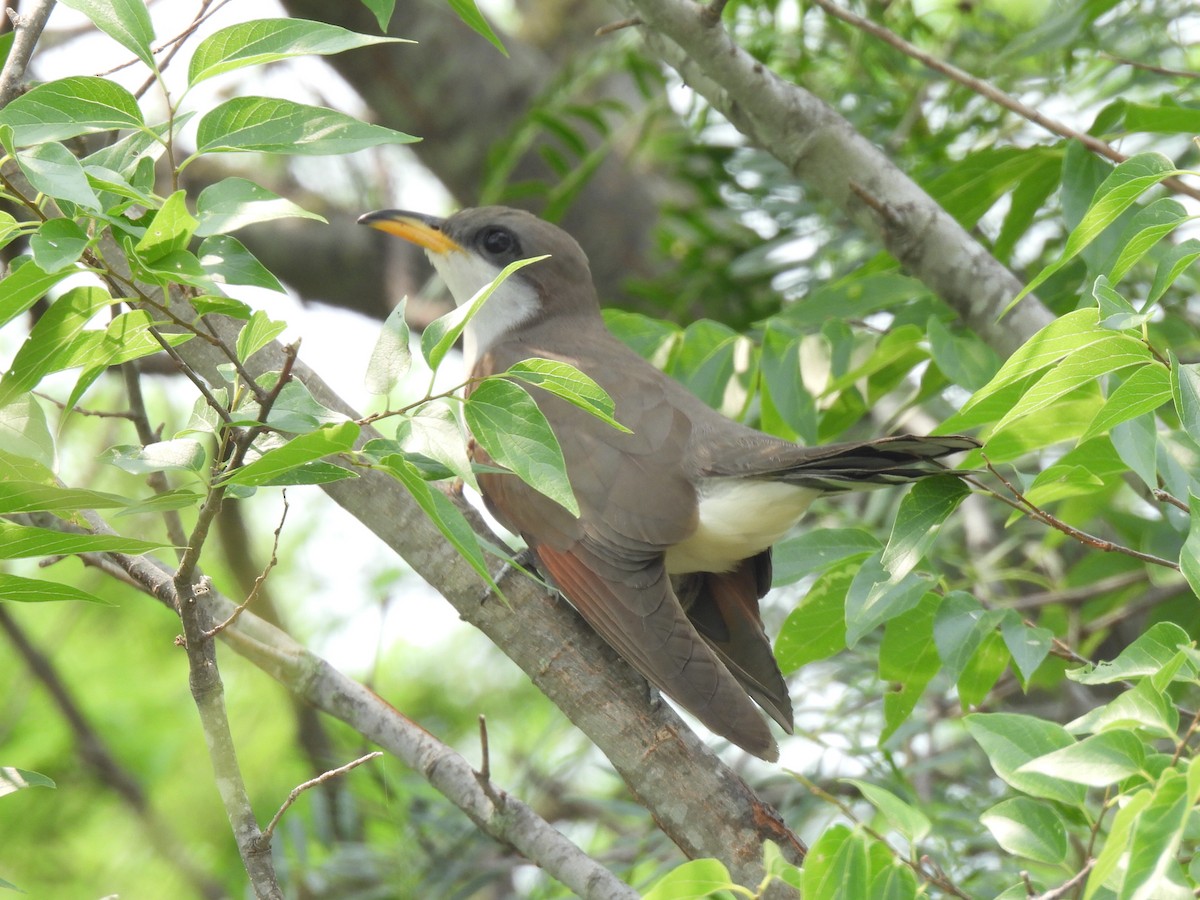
(498, 241)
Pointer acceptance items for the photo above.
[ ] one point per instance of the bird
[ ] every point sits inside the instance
(670, 554)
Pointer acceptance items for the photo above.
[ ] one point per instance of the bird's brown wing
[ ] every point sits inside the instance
(632, 606)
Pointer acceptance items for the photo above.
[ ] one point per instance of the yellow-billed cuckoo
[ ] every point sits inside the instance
(671, 551)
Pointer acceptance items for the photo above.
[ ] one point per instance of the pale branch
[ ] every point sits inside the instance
(989, 91)
(95, 753)
(310, 784)
(823, 150)
(311, 678)
(27, 28)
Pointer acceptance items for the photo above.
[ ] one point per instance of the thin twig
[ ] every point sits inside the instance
(1069, 885)
(1090, 540)
(611, 27)
(312, 783)
(990, 91)
(258, 582)
(1163, 497)
(1148, 67)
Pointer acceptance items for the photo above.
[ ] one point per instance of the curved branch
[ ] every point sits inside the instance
(822, 149)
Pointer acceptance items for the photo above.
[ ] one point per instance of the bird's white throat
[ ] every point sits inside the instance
(512, 303)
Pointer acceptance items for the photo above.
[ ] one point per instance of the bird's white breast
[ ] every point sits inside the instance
(739, 518)
(512, 303)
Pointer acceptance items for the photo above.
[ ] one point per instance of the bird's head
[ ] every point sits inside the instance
(471, 247)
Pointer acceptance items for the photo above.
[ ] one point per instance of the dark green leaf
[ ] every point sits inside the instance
(816, 550)
(816, 629)
(57, 244)
(20, 541)
(908, 660)
(178, 455)
(28, 496)
(1028, 828)
(1097, 761)
(469, 13)
(31, 590)
(299, 450)
(68, 108)
(1149, 652)
(169, 231)
(506, 422)
(228, 261)
(25, 286)
(272, 125)
(921, 513)
(125, 21)
(1011, 740)
(270, 40)
(1185, 388)
(835, 867)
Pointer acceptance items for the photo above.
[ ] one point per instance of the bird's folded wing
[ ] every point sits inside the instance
(635, 610)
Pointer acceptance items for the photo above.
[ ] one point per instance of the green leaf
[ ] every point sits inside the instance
(1097, 761)
(299, 450)
(835, 867)
(25, 432)
(1029, 646)
(125, 21)
(1148, 227)
(228, 261)
(904, 817)
(691, 880)
(25, 286)
(1011, 740)
(1113, 850)
(964, 359)
(570, 384)
(1149, 652)
(47, 348)
(1143, 707)
(1100, 357)
(908, 660)
(31, 590)
(1116, 193)
(179, 455)
(12, 780)
(1153, 869)
(1116, 313)
(1064, 335)
(1185, 388)
(20, 542)
(1028, 828)
(28, 496)
(257, 333)
(272, 125)
(382, 10)
(959, 629)
(54, 171)
(1174, 261)
(391, 357)
(816, 550)
(70, 107)
(444, 514)
(270, 40)
(57, 244)
(875, 596)
(816, 628)
(921, 513)
(1144, 390)
(1189, 554)
(234, 203)
(169, 231)
(469, 13)
(506, 422)
(295, 410)
(440, 334)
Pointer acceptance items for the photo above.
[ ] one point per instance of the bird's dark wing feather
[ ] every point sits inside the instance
(634, 608)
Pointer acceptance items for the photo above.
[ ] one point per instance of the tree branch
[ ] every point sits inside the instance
(506, 818)
(822, 149)
(27, 29)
